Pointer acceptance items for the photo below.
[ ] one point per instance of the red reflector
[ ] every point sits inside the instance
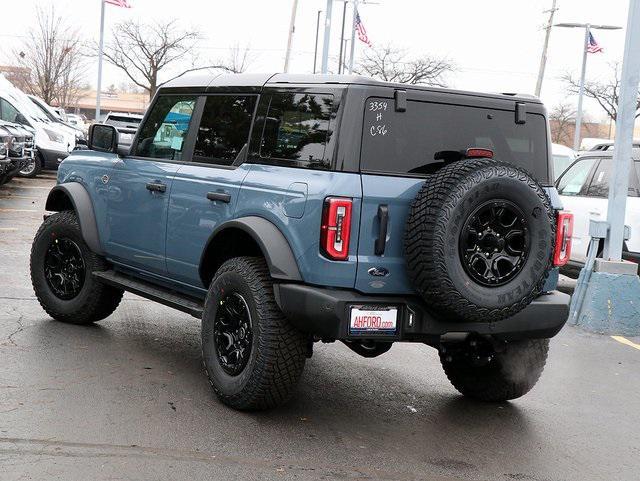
(564, 231)
(336, 228)
(476, 152)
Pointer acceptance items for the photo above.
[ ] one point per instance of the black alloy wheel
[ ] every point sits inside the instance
(64, 268)
(494, 242)
(233, 333)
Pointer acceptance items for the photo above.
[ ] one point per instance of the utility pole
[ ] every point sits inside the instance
(292, 28)
(327, 38)
(353, 36)
(585, 45)
(101, 47)
(315, 52)
(344, 14)
(543, 59)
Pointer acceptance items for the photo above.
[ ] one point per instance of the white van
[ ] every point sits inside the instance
(53, 143)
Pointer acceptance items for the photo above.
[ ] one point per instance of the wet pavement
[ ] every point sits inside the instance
(127, 399)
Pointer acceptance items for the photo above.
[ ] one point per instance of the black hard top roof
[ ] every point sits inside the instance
(205, 81)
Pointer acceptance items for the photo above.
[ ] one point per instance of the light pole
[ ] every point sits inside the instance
(315, 52)
(292, 29)
(324, 67)
(587, 29)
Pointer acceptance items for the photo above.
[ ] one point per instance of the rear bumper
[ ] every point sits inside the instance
(325, 313)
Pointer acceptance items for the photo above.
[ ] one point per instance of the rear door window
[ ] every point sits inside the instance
(224, 128)
(407, 142)
(297, 128)
(602, 177)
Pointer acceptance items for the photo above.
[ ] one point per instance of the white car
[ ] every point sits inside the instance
(584, 190)
(563, 157)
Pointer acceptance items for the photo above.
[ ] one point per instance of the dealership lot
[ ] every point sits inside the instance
(128, 396)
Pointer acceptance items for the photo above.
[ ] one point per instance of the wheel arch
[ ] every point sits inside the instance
(250, 235)
(73, 196)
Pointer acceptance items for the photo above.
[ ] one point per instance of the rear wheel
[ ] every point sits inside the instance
(477, 371)
(61, 273)
(252, 355)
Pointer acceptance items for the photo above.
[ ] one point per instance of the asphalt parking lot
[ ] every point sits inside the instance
(127, 399)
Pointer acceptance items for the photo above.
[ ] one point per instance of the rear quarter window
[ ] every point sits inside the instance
(406, 142)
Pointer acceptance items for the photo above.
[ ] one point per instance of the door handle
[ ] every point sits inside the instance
(381, 241)
(594, 212)
(156, 187)
(221, 196)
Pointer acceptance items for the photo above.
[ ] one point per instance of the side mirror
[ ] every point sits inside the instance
(103, 138)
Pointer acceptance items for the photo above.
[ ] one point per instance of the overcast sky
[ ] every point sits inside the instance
(495, 44)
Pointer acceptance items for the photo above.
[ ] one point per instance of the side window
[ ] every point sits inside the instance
(573, 180)
(162, 135)
(8, 112)
(224, 128)
(600, 184)
(297, 127)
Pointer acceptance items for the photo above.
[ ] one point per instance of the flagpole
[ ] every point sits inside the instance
(101, 47)
(576, 135)
(353, 36)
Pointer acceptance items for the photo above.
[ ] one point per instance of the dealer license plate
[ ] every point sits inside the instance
(369, 320)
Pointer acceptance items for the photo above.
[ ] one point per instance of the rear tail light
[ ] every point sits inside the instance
(336, 228)
(564, 231)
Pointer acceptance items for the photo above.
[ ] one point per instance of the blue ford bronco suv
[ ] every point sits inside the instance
(284, 210)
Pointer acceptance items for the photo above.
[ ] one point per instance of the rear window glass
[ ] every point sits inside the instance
(406, 142)
(122, 121)
(297, 127)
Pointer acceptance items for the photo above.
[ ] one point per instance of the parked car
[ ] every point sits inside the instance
(76, 120)
(609, 145)
(584, 190)
(53, 143)
(126, 124)
(563, 157)
(288, 209)
(16, 149)
(50, 113)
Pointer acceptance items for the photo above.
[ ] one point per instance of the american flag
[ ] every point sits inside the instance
(593, 46)
(118, 3)
(362, 33)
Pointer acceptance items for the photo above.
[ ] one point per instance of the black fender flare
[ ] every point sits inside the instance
(272, 242)
(73, 195)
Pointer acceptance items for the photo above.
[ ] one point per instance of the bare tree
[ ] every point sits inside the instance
(52, 55)
(142, 51)
(606, 93)
(238, 59)
(393, 64)
(562, 120)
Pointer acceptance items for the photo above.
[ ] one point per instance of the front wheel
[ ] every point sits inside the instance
(61, 273)
(252, 355)
(32, 169)
(477, 371)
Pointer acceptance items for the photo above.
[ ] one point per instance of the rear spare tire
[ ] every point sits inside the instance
(479, 240)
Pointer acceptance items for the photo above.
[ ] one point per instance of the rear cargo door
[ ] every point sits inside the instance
(399, 143)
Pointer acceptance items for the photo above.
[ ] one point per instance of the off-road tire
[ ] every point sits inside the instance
(510, 374)
(438, 213)
(278, 350)
(95, 301)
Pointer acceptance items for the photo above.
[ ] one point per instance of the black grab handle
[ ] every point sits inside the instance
(156, 187)
(221, 196)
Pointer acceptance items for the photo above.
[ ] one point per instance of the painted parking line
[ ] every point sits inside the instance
(19, 210)
(7, 229)
(626, 341)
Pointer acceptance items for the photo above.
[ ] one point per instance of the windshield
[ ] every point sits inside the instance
(44, 110)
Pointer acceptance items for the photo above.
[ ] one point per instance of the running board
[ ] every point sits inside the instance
(153, 292)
